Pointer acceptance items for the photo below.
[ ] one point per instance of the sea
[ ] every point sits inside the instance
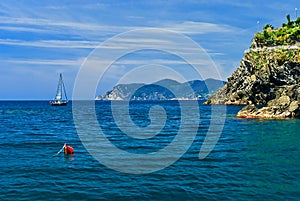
(251, 159)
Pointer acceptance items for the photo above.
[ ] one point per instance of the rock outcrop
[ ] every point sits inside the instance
(268, 76)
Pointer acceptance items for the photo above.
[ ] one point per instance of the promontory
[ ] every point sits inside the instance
(267, 81)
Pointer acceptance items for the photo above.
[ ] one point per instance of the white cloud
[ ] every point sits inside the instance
(63, 62)
(22, 29)
(38, 25)
(52, 43)
(191, 27)
(61, 27)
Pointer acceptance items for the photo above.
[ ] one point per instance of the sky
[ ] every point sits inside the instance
(40, 39)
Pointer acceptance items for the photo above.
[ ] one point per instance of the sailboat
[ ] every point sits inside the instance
(58, 100)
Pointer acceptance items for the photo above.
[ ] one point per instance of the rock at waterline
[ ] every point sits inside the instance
(276, 111)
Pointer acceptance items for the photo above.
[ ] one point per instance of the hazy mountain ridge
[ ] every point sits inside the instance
(165, 89)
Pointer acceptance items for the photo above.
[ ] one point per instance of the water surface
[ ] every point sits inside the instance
(253, 159)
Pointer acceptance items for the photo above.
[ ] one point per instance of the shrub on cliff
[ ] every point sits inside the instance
(288, 34)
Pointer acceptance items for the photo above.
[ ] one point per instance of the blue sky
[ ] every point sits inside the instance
(40, 39)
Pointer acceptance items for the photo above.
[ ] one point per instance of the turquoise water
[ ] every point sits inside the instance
(253, 159)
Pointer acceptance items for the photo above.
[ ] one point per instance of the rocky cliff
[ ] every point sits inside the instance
(268, 78)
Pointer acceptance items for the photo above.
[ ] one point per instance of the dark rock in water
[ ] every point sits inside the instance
(266, 76)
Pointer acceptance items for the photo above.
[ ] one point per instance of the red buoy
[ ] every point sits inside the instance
(68, 149)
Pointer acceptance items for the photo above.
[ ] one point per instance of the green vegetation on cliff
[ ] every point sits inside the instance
(276, 56)
(288, 34)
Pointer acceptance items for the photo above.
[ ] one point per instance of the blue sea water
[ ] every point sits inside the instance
(253, 159)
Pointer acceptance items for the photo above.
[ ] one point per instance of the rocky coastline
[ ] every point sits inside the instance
(267, 82)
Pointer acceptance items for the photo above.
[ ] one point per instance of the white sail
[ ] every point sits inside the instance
(59, 89)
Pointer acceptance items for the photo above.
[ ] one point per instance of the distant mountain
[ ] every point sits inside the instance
(166, 89)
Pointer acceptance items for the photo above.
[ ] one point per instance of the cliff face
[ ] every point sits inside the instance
(266, 76)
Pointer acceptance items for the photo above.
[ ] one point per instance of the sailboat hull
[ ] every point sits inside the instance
(58, 103)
